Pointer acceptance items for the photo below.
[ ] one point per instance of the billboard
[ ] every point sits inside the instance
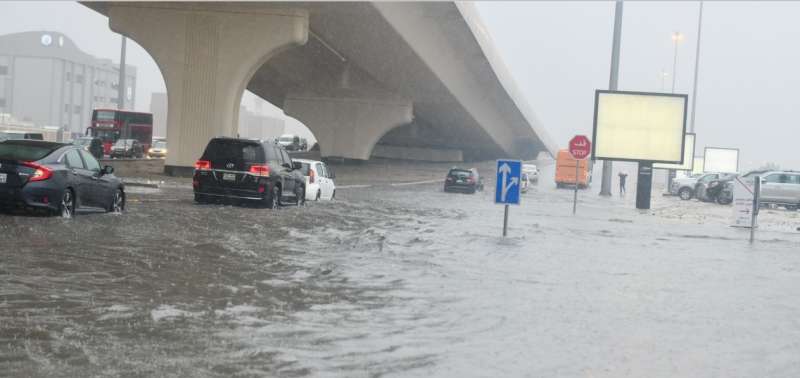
(724, 160)
(639, 126)
(698, 165)
(688, 157)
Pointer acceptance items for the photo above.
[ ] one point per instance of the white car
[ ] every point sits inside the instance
(319, 180)
(525, 182)
(532, 171)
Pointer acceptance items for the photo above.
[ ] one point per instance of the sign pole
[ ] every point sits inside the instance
(756, 206)
(575, 197)
(580, 147)
(505, 222)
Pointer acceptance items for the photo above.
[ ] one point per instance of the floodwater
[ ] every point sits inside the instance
(400, 281)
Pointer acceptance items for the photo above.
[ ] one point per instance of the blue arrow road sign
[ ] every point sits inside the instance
(508, 178)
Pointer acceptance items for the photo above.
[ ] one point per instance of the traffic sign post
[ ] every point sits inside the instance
(580, 148)
(507, 187)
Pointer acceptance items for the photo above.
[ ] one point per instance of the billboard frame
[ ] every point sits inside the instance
(597, 93)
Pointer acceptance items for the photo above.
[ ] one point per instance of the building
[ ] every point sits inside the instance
(251, 124)
(45, 79)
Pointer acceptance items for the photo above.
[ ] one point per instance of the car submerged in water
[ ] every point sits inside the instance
(248, 170)
(59, 178)
(463, 180)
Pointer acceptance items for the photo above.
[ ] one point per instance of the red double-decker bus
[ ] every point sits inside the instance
(111, 125)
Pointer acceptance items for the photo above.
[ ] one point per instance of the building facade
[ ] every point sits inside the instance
(45, 79)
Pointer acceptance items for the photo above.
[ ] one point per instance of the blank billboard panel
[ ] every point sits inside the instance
(724, 160)
(636, 126)
(688, 157)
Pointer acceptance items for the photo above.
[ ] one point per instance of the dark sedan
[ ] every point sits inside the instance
(60, 178)
(463, 180)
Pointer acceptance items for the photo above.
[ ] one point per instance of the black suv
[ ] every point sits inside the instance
(247, 169)
(463, 180)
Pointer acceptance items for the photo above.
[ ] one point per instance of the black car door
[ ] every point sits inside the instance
(102, 186)
(79, 178)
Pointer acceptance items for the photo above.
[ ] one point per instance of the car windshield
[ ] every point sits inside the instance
(124, 142)
(286, 139)
(11, 150)
(160, 144)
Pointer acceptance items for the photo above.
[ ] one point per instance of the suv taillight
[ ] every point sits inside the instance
(40, 172)
(202, 165)
(259, 170)
(311, 176)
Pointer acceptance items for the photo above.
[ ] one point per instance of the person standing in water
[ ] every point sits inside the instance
(622, 177)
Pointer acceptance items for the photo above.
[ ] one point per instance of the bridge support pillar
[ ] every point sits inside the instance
(207, 53)
(348, 127)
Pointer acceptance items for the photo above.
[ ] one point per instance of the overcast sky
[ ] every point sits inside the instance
(559, 52)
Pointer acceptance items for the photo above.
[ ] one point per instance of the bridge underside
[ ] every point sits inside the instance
(409, 78)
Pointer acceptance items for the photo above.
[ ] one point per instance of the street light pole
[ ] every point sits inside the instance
(664, 75)
(696, 66)
(605, 186)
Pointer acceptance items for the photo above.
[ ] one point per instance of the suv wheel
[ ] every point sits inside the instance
(274, 199)
(685, 194)
(319, 195)
(300, 195)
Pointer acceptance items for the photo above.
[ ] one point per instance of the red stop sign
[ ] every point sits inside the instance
(580, 147)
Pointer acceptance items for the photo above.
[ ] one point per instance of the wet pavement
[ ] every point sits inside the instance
(400, 280)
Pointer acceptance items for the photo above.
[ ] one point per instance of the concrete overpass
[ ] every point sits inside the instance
(401, 80)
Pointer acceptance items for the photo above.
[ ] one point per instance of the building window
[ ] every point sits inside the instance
(2, 103)
(66, 108)
(3, 70)
(77, 109)
(69, 76)
(79, 79)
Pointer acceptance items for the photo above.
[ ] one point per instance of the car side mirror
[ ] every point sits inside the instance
(297, 165)
(107, 170)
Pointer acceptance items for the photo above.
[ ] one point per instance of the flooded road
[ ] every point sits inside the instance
(400, 280)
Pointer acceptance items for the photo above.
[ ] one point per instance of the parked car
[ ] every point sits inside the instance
(683, 187)
(781, 188)
(319, 180)
(303, 144)
(463, 180)
(289, 142)
(250, 170)
(17, 135)
(93, 145)
(127, 148)
(60, 178)
(158, 150)
(532, 171)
